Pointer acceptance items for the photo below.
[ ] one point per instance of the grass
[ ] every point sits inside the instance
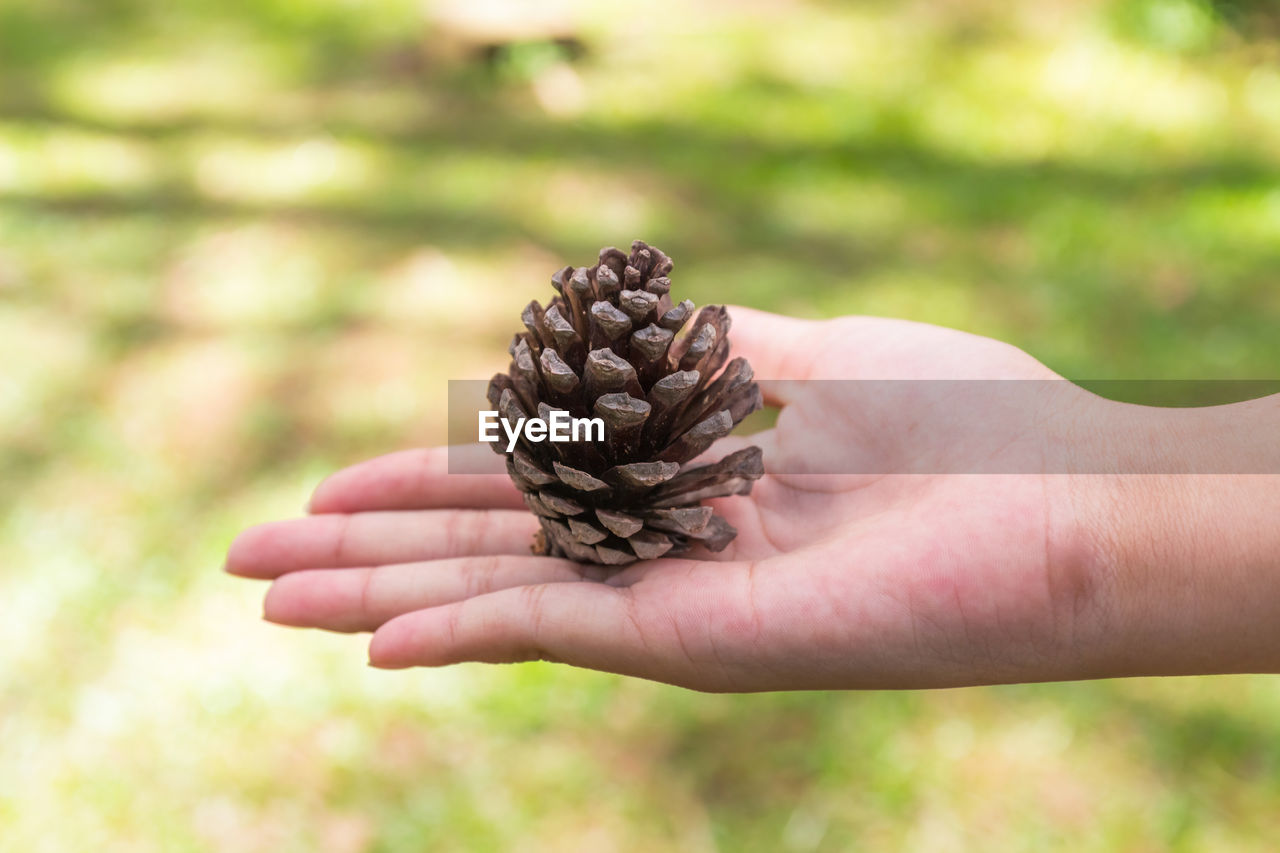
(244, 243)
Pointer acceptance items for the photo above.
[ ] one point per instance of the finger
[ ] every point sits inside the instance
(377, 538)
(419, 479)
(653, 630)
(584, 624)
(778, 347)
(363, 599)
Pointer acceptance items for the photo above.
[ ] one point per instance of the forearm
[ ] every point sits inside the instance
(1187, 565)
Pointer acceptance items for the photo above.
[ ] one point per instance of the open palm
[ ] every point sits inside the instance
(835, 580)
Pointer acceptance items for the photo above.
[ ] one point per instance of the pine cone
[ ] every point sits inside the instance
(606, 347)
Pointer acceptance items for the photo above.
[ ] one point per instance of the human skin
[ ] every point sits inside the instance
(873, 581)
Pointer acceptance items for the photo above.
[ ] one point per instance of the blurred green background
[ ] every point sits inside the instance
(245, 242)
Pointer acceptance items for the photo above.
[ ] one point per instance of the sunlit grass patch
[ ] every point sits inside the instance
(147, 89)
(58, 161)
(295, 170)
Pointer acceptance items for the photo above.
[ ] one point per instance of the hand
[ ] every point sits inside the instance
(843, 581)
(898, 580)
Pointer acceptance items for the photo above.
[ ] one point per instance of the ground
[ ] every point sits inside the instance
(243, 243)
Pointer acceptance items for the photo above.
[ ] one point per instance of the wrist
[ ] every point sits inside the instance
(1186, 566)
